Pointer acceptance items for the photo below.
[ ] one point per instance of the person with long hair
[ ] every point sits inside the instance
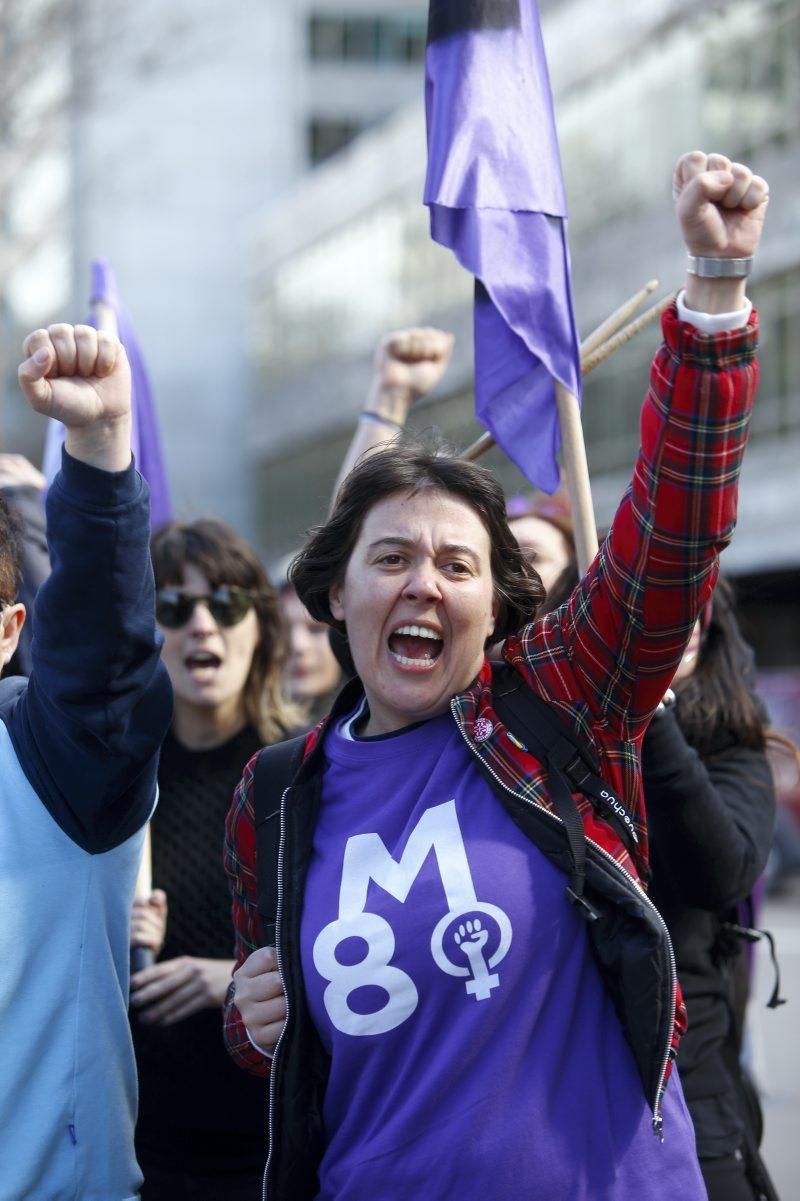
(200, 1132)
(710, 813)
(468, 993)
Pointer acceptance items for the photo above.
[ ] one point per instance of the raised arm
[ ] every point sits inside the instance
(408, 364)
(88, 728)
(623, 632)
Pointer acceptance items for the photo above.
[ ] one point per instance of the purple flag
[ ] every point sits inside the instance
(145, 437)
(496, 198)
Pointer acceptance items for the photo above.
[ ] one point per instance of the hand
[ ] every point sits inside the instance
(260, 998)
(170, 991)
(80, 376)
(18, 472)
(408, 364)
(149, 921)
(721, 207)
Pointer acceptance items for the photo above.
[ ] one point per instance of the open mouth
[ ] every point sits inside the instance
(201, 660)
(415, 646)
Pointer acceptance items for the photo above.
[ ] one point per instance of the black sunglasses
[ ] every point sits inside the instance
(228, 606)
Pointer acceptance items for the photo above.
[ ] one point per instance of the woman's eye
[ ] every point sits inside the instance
(457, 568)
(390, 560)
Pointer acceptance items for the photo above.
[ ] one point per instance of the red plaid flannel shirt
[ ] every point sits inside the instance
(606, 658)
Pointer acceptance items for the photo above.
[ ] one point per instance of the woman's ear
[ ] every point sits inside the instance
(495, 615)
(335, 601)
(12, 620)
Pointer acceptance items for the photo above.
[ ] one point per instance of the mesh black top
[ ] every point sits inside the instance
(195, 1105)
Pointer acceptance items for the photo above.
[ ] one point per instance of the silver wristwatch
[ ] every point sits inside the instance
(711, 268)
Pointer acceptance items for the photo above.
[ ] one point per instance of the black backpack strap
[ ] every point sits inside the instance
(274, 770)
(571, 767)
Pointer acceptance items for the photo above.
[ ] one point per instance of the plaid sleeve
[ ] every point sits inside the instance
(617, 642)
(239, 858)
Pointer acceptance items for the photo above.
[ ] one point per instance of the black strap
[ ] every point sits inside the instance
(560, 745)
(748, 934)
(522, 710)
(572, 766)
(274, 770)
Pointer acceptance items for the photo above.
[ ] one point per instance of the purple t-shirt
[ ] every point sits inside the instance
(474, 1051)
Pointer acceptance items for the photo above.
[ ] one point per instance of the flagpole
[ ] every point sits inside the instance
(576, 474)
(105, 317)
(141, 957)
(598, 347)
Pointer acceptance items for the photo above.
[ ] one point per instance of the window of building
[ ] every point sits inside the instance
(362, 39)
(325, 38)
(326, 136)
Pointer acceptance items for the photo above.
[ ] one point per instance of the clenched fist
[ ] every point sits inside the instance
(408, 364)
(720, 206)
(81, 377)
(260, 998)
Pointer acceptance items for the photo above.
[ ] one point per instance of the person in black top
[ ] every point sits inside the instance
(710, 813)
(201, 1129)
(710, 801)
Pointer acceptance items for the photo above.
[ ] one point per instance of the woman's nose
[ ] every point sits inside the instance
(201, 621)
(422, 583)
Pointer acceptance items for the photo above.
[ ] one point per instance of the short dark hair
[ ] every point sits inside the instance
(224, 557)
(410, 465)
(10, 553)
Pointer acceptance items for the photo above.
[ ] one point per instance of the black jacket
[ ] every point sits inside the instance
(710, 822)
(629, 938)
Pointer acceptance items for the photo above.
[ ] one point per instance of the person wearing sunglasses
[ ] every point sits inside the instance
(200, 1131)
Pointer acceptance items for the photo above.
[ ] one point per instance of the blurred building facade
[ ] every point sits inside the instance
(34, 186)
(173, 126)
(346, 255)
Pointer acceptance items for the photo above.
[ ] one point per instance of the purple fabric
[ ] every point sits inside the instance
(145, 436)
(475, 1053)
(496, 198)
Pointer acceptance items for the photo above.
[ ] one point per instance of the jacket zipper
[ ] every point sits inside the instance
(658, 1120)
(273, 1072)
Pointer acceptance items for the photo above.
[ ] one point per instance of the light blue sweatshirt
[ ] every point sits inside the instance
(78, 759)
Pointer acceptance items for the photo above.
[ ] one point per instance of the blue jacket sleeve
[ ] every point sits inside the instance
(89, 725)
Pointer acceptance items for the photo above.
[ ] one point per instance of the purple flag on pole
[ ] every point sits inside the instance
(145, 437)
(496, 198)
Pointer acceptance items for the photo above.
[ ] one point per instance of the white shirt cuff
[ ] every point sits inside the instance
(713, 323)
(261, 1051)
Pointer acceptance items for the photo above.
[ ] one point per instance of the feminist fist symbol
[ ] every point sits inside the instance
(472, 938)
